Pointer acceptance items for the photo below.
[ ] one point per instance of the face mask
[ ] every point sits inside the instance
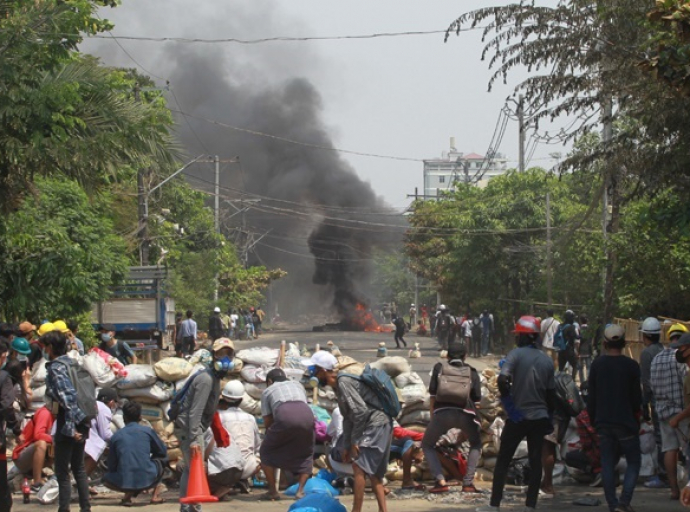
(679, 357)
(106, 337)
(22, 359)
(223, 365)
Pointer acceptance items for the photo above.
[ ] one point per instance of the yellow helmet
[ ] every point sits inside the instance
(60, 325)
(45, 328)
(676, 330)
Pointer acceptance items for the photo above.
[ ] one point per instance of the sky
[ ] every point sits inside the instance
(397, 96)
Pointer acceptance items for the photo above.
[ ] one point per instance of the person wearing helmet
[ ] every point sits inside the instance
(528, 393)
(614, 400)
(651, 339)
(413, 315)
(570, 355)
(666, 378)
(233, 465)
(444, 325)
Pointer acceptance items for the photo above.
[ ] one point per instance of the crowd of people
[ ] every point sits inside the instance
(538, 392)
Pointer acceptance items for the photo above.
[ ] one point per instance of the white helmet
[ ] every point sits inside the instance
(650, 326)
(233, 390)
(442, 307)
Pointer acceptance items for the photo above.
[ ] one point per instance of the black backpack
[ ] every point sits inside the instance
(568, 395)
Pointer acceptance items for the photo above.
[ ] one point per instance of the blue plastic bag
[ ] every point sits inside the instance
(326, 475)
(317, 503)
(314, 486)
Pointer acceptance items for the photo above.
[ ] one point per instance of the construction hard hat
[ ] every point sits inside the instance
(650, 326)
(527, 325)
(21, 346)
(233, 390)
(45, 328)
(60, 325)
(442, 307)
(676, 330)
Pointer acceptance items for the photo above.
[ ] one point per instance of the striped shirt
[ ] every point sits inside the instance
(279, 393)
(667, 383)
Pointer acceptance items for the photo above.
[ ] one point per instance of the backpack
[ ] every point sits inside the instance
(444, 324)
(84, 386)
(176, 402)
(382, 386)
(568, 395)
(454, 384)
(559, 342)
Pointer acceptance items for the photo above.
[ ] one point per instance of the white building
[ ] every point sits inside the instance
(441, 173)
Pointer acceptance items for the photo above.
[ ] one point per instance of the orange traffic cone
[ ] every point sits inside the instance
(197, 486)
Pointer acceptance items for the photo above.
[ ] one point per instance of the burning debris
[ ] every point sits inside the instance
(360, 319)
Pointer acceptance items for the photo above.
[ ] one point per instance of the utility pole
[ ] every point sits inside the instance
(216, 219)
(549, 255)
(610, 187)
(466, 166)
(141, 202)
(521, 130)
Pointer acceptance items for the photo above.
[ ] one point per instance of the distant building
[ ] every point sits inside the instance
(441, 173)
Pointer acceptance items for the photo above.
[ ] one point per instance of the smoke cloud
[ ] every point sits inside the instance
(307, 210)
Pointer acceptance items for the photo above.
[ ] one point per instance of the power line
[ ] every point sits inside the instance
(235, 40)
(299, 143)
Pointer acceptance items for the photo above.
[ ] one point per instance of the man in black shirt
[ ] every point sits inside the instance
(215, 325)
(571, 353)
(614, 406)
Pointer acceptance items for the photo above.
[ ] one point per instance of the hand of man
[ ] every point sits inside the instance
(685, 496)
(354, 452)
(674, 422)
(78, 437)
(346, 456)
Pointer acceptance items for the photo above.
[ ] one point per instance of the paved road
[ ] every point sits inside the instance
(362, 346)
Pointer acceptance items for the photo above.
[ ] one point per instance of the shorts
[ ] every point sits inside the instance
(25, 462)
(671, 438)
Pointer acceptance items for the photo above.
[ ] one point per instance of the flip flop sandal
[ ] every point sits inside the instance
(439, 489)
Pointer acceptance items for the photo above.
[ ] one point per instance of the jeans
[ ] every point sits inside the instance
(185, 447)
(513, 433)
(441, 422)
(486, 335)
(614, 442)
(70, 454)
(5, 494)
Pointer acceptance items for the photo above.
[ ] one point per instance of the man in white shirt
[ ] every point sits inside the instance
(228, 466)
(549, 327)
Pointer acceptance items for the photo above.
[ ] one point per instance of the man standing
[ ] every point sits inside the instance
(120, 350)
(199, 404)
(549, 326)
(413, 315)
(683, 355)
(666, 378)
(186, 336)
(527, 387)
(399, 323)
(570, 355)
(9, 420)
(215, 325)
(487, 321)
(443, 326)
(72, 424)
(614, 403)
(367, 430)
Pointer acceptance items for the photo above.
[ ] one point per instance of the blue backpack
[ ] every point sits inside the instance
(559, 342)
(382, 386)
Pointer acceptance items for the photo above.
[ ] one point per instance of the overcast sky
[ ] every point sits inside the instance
(398, 96)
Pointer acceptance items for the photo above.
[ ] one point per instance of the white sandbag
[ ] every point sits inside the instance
(172, 369)
(39, 394)
(159, 392)
(138, 376)
(38, 373)
(254, 390)
(195, 369)
(102, 375)
(413, 393)
(415, 417)
(250, 406)
(392, 365)
(294, 374)
(151, 413)
(407, 379)
(416, 406)
(254, 374)
(259, 356)
(201, 356)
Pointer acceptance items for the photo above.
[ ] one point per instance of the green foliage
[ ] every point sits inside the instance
(60, 254)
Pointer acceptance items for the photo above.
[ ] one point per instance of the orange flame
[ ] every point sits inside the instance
(364, 320)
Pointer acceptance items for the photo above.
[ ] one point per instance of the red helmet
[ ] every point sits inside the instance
(527, 325)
